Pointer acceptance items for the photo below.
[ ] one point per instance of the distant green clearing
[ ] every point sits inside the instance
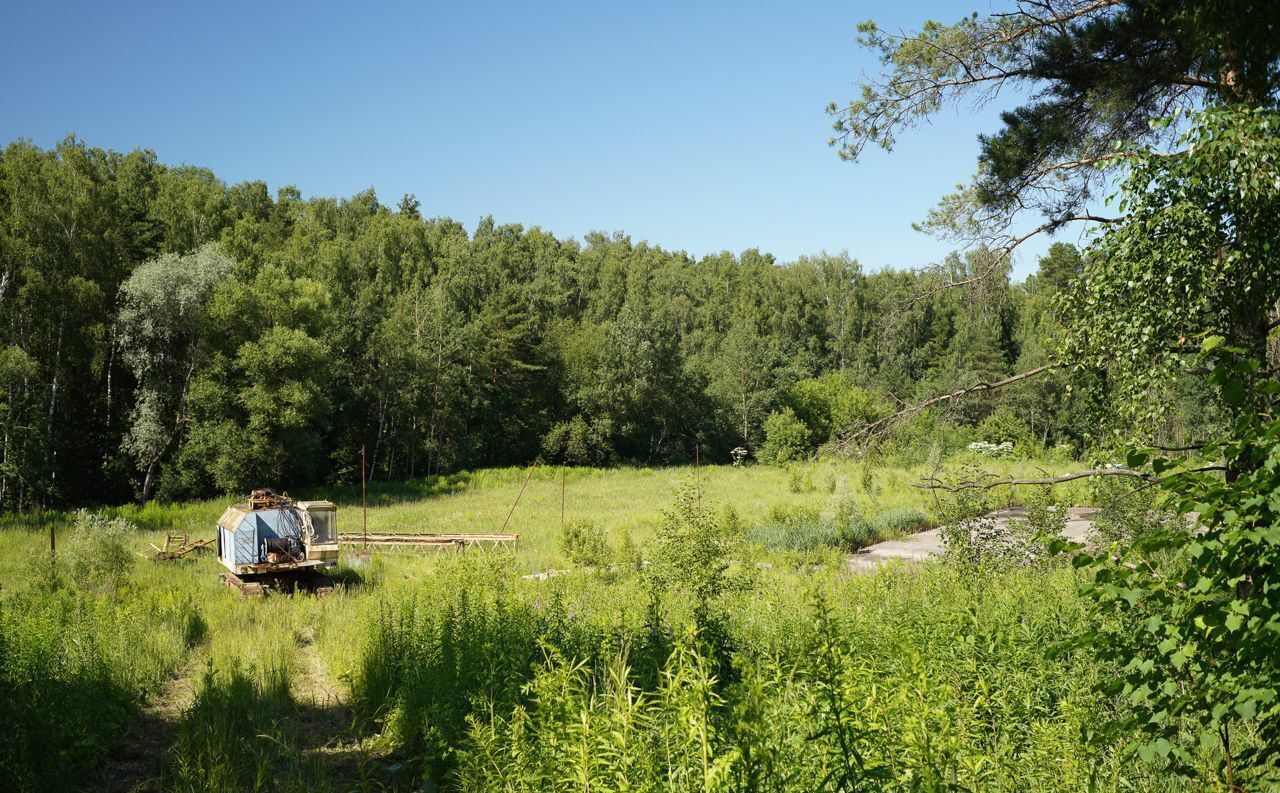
(620, 501)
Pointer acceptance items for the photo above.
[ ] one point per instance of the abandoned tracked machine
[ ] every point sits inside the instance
(272, 542)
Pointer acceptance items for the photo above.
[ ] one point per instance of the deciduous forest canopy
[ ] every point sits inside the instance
(166, 333)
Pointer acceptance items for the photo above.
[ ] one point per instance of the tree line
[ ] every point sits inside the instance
(164, 333)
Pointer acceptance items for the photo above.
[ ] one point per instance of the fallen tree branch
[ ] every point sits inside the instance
(1151, 479)
(938, 484)
(881, 424)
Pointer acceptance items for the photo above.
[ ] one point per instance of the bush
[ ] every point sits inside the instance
(1129, 512)
(799, 480)
(1003, 426)
(792, 529)
(74, 669)
(844, 518)
(830, 403)
(583, 544)
(786, 438)
(970, 536)
(695, 551)
(839, 525)
(99, 554)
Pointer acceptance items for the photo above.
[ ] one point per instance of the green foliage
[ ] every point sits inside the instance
(800, 479)
(1194, 254)
(583, 544)
(974, 538)
(840, 525)
(799, 530)
(1045, 515)
(1002, 426)
(195, 338)
(742, 378)
(1095, 78)
(786, 438)
(833, 402)
(866, 687)
(695, 554)
(428, 671)
(435, 656)
(236, 737)
(1130, 511)
(578, 442)
(162, 321)
(74, 669)
(1189, 618)
(899, 522)
(100, 553)
(842, 513)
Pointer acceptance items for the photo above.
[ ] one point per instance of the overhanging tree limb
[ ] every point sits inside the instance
(937, 484)
(881, 425)
(933, 483)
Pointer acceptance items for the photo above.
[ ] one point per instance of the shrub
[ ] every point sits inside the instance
(972, 537)
(799, 480)
(584, 544)
(99, 554)
(1045, 515)
(74, 669)
(792, 529)
(839, 525)
(1003, 426)
(628, 553)
(1128, 512)
(786, 438)
(695, 553)
(832, 402)
(843, 517)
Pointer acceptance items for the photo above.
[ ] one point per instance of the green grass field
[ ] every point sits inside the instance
(450, 669)
(624, 501)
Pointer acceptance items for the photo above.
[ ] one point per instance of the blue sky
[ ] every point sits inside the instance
(696, 126)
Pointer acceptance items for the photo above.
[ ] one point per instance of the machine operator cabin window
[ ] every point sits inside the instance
(324, 523)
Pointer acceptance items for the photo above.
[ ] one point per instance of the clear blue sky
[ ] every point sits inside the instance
(697, 126)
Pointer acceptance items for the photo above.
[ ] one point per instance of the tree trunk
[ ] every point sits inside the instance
(149, 480)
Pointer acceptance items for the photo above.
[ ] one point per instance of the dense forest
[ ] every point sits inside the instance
(165, 334)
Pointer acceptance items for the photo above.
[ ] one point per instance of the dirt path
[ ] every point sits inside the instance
(136, 764)
(928, 544)
(325, 723)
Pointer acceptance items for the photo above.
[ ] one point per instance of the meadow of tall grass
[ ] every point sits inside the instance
(763, 664)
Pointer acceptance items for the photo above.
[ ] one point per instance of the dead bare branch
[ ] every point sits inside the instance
(937, 484)
(933, 483)
(881, 425)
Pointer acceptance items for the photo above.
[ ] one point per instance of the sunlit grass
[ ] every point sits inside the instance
(177, 619)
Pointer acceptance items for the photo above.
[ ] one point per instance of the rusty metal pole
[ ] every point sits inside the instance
(512, 511)
(364, 504)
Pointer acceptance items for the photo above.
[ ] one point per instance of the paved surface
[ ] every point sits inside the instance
(926, 544)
